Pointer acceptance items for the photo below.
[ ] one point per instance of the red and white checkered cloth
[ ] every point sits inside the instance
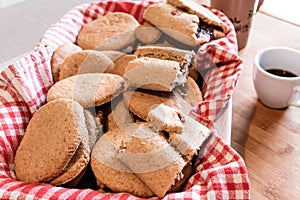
(221, 172)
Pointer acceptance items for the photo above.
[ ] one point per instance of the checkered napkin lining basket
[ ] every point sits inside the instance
(221, 173)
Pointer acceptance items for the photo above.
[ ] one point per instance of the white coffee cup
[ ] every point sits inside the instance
(276, 91)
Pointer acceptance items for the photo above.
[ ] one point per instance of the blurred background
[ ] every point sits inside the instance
(23, 22)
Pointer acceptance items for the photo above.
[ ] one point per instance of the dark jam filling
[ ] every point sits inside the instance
(205, 30)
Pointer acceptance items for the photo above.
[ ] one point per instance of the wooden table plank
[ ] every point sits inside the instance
(268, 140)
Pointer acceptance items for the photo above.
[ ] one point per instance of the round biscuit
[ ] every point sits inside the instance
(75, 167)
(94, 128)
(50, 140)
(190, 92)
(90, 90)
(141, 102)
(113, 55)
(121, 63)
(113, 31)
(147, 33)
(85, 61)
(59, 56)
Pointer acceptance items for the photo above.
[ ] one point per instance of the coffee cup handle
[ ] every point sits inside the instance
(295, 97)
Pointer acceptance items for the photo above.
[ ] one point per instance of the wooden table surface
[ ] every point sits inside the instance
(267, 139)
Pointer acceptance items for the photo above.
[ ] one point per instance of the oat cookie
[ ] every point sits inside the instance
(75, 167)
(121, 64)
(189, 141)
(166, 118)
(62, 125)
(152, 159)
(113, 55)
(86, 61)
(59, 55)
(203, 13)
(74, 182)
(190, 92)
(89, 90)
(179, 25)
(154, 74)
(186, 21)
(166, 53)
(140, 102)
(147, 33)
(184, 57)
(113, 31)
(78, 164)
(120, 116)
(93, 126)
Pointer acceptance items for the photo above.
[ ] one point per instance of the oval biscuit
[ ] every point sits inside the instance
(59, 56)
(50, 140)
(147, 33)
(77, 164)
(89, 90)
(141, 102)
(113, 31)
(86, 61)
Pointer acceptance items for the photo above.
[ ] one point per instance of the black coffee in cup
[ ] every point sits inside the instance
(281, 72)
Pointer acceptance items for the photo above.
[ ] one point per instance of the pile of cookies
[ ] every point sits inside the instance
(119, 106)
